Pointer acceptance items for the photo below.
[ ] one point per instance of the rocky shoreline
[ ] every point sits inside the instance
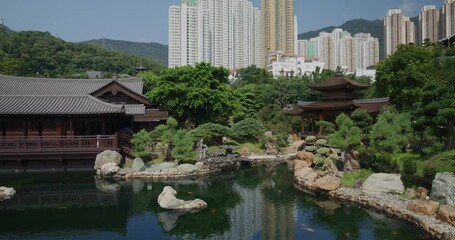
(390, 204)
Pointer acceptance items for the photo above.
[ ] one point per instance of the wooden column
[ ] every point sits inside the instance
(321, 118)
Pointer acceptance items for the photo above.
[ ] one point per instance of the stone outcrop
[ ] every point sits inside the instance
(108, 170)
(421, 193)
(446, 213)
(328, 183)
(306, 157)
(296, 146)
(187, 168)
(443, 188)
(6, 193)
(138, 165)
(107, 156)
(383, 183)
(423, 206)
(245, 152)
(167, 200)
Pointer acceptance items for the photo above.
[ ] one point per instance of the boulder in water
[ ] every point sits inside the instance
(167, 200)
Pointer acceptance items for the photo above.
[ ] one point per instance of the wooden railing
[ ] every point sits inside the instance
(62, 143)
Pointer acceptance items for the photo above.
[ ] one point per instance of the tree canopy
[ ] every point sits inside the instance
(196, 94)
(33, 53)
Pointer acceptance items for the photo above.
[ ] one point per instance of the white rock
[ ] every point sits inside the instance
(199, 165)
(138, 165)
(188, 168)
(383, 183)
(109, 169)
(6, 193)
(167, 200)
(106, 157)
(443, 188)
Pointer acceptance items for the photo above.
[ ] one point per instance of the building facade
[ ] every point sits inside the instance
(447, 19)
(428, 25)
(223, 33)
(290, 65)
(278, 27)
(398, 29)
(340, 49)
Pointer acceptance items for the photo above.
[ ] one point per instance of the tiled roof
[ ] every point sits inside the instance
(135, 109)
(22, 86)
(338, 82)
(56, 105)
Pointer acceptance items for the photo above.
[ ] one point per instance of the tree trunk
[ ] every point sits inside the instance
(450, 144)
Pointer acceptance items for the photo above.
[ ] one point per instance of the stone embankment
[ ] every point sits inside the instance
(395, 206)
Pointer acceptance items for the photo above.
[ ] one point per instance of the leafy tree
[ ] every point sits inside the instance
(436, 110)
(198, 94)
(183, 146)
(33, 53)
(210, 132)
(165, 132)
(392, 132)
(364, 121)
(282, 91)
(252, 75)
(149, 79)
(347, 136)
(142, 144)
(403, 74)
(327, 127)
(248, 128)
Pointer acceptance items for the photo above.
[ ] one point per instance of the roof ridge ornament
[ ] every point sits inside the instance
(338, 72)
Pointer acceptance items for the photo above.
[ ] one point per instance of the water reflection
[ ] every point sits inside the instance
(255, 203)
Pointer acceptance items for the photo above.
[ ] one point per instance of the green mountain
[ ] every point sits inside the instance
(155, 51)
(39, 54)
(375, 27)
(5, 28)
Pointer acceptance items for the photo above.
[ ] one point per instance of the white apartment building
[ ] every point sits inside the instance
(221, 32)
(428, 27)
(398, 29)
(340, 49)
(447, 19)
(290, 65)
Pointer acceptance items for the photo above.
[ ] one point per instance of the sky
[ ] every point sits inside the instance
(147, 20)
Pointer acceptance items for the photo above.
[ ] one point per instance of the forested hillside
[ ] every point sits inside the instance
(154, 51)
(39, 54)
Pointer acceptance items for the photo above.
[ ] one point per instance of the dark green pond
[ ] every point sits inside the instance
(254, 203)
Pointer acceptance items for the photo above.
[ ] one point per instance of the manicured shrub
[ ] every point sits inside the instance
(310, 139)
(322, 142)
(248, 128)
(312, 149)
(323, 151)
(429, 172)
(408, 175)
(210, 132)
(142, 145)
(183, 147)
(378, 162)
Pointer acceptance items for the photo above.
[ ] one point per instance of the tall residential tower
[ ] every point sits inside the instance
(398, 29)
(428, 24)
(221, 32)
(278, 22)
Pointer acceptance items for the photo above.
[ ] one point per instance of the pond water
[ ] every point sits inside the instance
(252, 203)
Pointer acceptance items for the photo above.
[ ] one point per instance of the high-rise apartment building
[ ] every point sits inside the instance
(278, 30)
(447, 19)
(340, 49)
(221, 32)
(398, 29)
(428, 27)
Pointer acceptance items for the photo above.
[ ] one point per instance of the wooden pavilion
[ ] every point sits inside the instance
(48, 119)
(338, 95)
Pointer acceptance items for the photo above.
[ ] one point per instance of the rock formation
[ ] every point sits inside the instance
(443, 188)
(167, 200)
(6, 193)
(383, 183)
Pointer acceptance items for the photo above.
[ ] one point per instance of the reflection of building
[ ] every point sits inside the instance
(278, 221)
